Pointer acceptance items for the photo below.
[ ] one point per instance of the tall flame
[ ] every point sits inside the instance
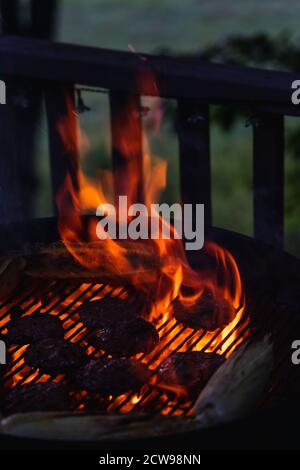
(174, 278)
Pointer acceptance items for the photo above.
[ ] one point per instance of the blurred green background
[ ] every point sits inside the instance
(184, 27)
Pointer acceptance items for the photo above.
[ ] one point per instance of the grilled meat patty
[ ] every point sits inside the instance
(128, 338)
(36, 397)
(112, 376)
(105, 312)
(54, 356)
(34, 328)
(189, 371)
(208, 312)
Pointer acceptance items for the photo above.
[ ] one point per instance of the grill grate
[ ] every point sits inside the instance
(63, 299)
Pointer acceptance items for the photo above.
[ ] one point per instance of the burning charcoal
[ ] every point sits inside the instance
(188, 372)
(54, 356)
(36, 397)
(208, 312)
(128, 338)
(112, 376)
(34, 328)
(105, 312)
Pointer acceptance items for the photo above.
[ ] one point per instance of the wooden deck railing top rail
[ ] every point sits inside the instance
(175, 77)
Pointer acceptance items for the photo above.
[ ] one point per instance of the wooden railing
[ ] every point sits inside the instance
(57, 68)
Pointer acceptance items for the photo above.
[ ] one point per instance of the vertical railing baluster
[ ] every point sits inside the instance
(63, 135)
(268, 178)
(126, 138)
(194, 150)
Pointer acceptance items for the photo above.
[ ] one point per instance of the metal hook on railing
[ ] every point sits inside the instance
(81, 106)
(196, 118)
(253, 121)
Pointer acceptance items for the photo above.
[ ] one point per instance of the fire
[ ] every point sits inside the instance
(170, 276)
(157, 268)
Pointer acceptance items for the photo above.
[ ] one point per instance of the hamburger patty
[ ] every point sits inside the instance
(34, 327)
(36, 397)
(112, 376)
(189, 371)
(105, 312)
(54, 356)
(128, 338)
(208, 312)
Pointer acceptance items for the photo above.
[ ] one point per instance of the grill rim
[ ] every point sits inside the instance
(226, 238)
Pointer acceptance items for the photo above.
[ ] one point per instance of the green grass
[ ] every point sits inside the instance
(179, 26)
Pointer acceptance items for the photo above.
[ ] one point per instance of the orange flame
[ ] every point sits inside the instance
(169, 276)
(156, 267)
